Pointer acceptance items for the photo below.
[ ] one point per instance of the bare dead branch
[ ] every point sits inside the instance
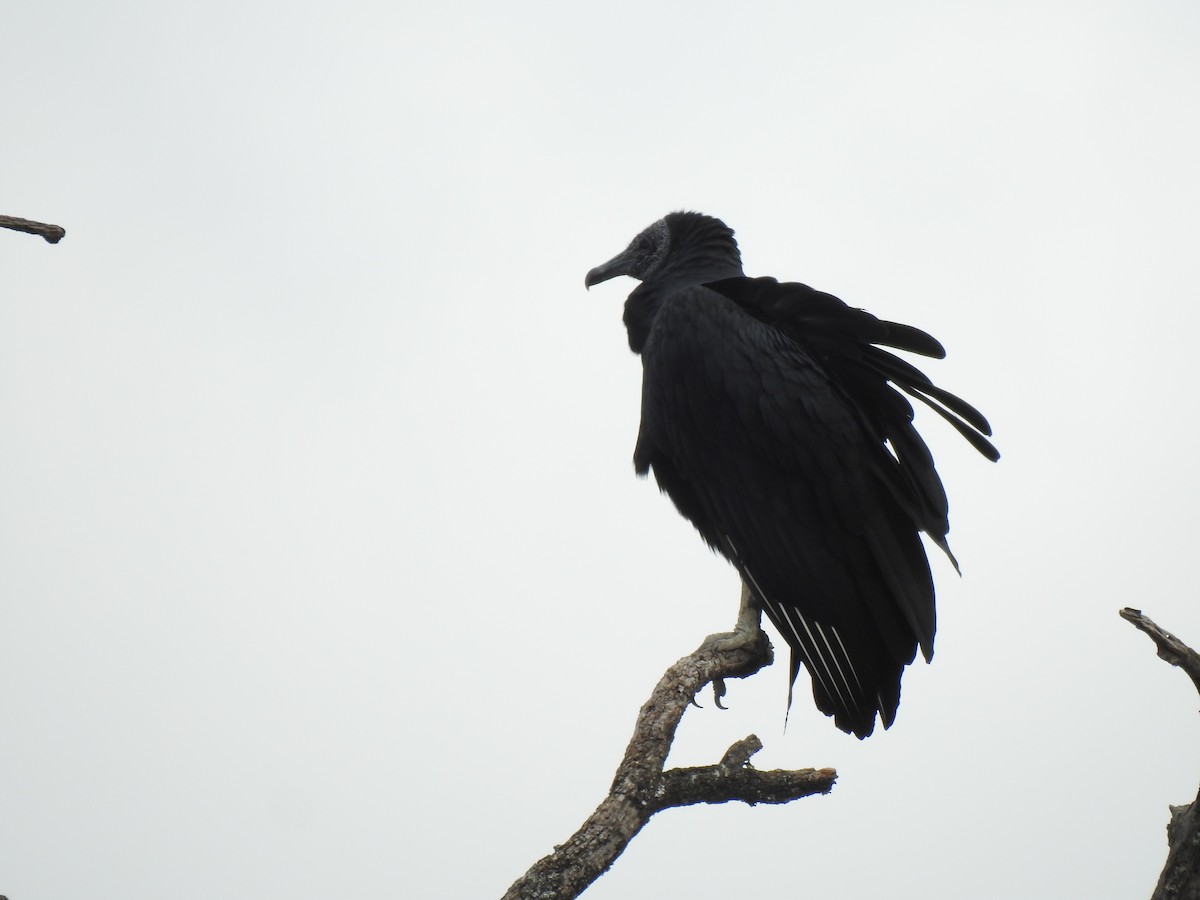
(641, 787)
(52, 233)
(1170, 648)
(1180, 879)
(720, 784)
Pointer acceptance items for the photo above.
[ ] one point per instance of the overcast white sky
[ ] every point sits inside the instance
(323, 568)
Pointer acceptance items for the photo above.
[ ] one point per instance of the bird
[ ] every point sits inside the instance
(782, 430)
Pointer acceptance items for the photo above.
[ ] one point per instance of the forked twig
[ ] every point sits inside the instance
(641, 786)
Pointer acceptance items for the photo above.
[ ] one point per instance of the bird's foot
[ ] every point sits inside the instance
(745, 633)
(738, 639)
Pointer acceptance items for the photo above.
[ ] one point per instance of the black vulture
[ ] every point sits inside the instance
(781, 430)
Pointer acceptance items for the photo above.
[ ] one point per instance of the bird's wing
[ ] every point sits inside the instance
(780, 470)
(847, 342)
(841, 336)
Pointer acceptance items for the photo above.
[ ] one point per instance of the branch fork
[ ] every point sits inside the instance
(642, 787)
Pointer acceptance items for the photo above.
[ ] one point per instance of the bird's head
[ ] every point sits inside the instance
(682, 246)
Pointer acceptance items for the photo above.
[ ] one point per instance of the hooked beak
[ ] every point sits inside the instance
(621, 264)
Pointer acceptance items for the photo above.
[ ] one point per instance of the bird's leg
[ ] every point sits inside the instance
(744, 634)
(746, 631)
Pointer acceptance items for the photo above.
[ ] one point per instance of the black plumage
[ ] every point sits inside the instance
(782, 431)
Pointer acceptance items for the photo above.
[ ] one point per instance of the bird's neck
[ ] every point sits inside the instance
(642, 305)
(687, 270)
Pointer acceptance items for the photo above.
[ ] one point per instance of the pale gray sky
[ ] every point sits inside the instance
(323, 569)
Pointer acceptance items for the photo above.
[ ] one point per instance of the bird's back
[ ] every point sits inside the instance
(776, 467)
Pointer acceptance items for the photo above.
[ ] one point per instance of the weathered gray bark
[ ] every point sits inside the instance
(52, 233)
(641, 787)
(1180, 879)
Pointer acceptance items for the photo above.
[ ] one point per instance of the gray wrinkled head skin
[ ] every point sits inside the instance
(639, 260)
(651, 248)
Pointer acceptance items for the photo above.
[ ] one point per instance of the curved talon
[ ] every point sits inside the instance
(719, 692)
(693, 702)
